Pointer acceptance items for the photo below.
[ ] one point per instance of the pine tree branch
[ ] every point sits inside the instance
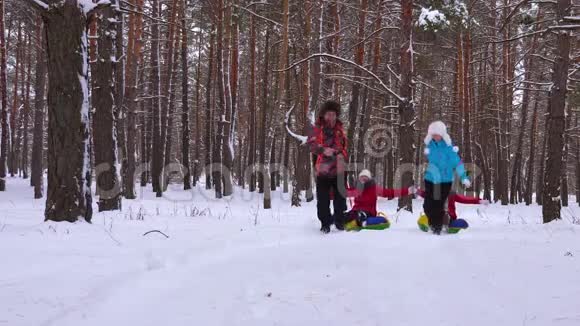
(349, 62)
(302, 139)
(258, 15)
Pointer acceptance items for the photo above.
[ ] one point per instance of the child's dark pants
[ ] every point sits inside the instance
(434, 206)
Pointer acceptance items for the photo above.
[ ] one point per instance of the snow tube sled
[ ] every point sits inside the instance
(371, 223)
(457, 225)
(423, 222)
(454, 226)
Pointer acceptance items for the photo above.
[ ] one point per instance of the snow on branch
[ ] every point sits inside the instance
(393, 72)
(571, 27)
(566, 27)
(41, 4)
(573, 72)
(302, 139)
(349, 62)
(520, 36)
(38, 4)
(430, 16)
(87, 6)
(572, 19)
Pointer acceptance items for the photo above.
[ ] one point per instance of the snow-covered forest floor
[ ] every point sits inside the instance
(231, 263)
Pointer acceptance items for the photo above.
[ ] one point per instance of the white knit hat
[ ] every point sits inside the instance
(365, 173)
(438, 128)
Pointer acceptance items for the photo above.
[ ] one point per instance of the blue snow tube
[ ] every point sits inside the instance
(374, 220)
(459, 224)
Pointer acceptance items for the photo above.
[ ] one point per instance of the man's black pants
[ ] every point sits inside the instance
(324, 187)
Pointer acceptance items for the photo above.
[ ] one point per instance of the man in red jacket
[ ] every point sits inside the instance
(366, 193)
(328, 142)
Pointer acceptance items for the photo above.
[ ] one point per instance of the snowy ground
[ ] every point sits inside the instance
(231, 263)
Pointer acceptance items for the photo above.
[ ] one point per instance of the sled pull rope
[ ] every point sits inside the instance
(155, 231)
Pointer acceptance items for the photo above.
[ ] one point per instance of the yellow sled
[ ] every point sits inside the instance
(453, 228)
(423, 222)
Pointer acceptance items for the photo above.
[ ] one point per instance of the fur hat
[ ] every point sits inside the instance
(329, 106)
(365, 173)
(438, 128)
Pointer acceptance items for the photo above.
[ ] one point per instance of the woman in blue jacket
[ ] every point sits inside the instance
(444, 163)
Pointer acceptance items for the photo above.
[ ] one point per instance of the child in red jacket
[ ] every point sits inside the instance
(456, 198)
(365, 195)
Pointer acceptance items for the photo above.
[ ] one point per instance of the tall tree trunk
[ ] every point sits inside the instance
(506, 95)
(198, 108)
(540, 184)
(467, 126)
(170, 121)
(331, 85)
(103, 97)
(577, 165)
(483, 138)
(495, 112)
(304, 169)
(354, 106)
(315, 76)
(264, 114)
(120, 105)
(459, 89)
(69, 168)
(208, 112)
(26, 119)
(22, 114)
(371, 103)
(14, 143)
(218, 177)
(272, 162)
(147, 141)
(157, 149)
(5, 138)
(185, 105)
(529, 191)
(234, 85)
(517, 167)
(230, 81)
(171, 131)
(564, 172)
(279, 101)
(407, 106)
(252, 108)
(134, 47)
(166, 95)
(556, 119)
(286, 164)
(38, 134)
